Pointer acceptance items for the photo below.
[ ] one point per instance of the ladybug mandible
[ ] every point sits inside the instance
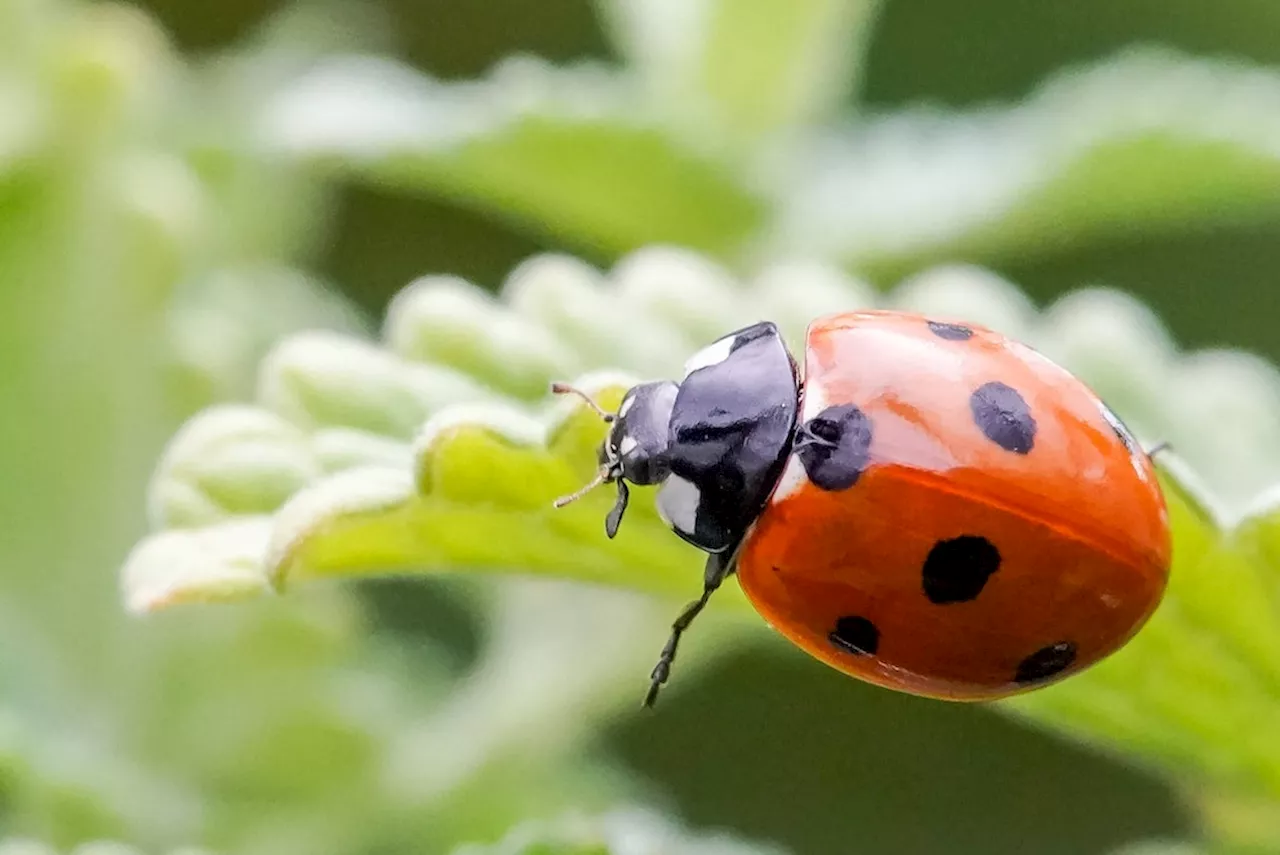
(931, 507)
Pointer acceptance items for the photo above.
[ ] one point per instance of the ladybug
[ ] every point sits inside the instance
(929, 506)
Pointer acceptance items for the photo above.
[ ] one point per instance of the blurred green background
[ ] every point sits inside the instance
(173, 199)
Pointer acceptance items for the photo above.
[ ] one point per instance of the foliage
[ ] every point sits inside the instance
(160, 224)
(482, 464)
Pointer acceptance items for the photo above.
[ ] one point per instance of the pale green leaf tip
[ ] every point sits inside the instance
(510, 423)
(229, 460)
(354, 493)
(325, 379)
(447, 320)
(218, 563)
(364, 107)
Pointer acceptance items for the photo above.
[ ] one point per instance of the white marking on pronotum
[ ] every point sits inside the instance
(678, 502)
(793, 478)
(627, 445)
(815, 401)
(712, 354)
(627, 404)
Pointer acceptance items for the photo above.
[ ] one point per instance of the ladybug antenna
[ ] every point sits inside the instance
(566, 389)
(600, 478)
(719, 565)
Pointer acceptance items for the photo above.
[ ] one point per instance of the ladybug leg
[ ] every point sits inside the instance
(1159, 447)
(719, 565)
(614, 518)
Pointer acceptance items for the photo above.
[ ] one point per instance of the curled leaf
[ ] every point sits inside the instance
(233, 460)
(217, 563)
(327, 379)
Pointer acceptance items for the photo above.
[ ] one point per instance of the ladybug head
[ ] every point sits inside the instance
(715, 442)
(636, 447)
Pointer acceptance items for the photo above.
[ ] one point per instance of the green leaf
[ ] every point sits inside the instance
(746, 68)
(1196, 694)
(1148, 143)
(770, 64)
(574, 153)
(442, 319)
(321, 378)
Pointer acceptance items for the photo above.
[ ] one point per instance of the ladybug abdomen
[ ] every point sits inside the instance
(959, 517)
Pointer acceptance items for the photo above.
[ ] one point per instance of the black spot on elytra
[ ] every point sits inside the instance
(951, 332)
(835, 446)
(855, 635)
(1121, 429)
(956, 570)
(1046, 662)
(1003, 417)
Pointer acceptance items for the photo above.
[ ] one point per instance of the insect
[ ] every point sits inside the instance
(929, 506)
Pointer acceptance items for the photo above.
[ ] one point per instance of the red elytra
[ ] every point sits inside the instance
(932, 507)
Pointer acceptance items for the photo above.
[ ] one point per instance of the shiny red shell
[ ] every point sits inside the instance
(958, 565)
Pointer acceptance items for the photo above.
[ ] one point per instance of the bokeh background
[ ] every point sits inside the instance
(181, 183)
